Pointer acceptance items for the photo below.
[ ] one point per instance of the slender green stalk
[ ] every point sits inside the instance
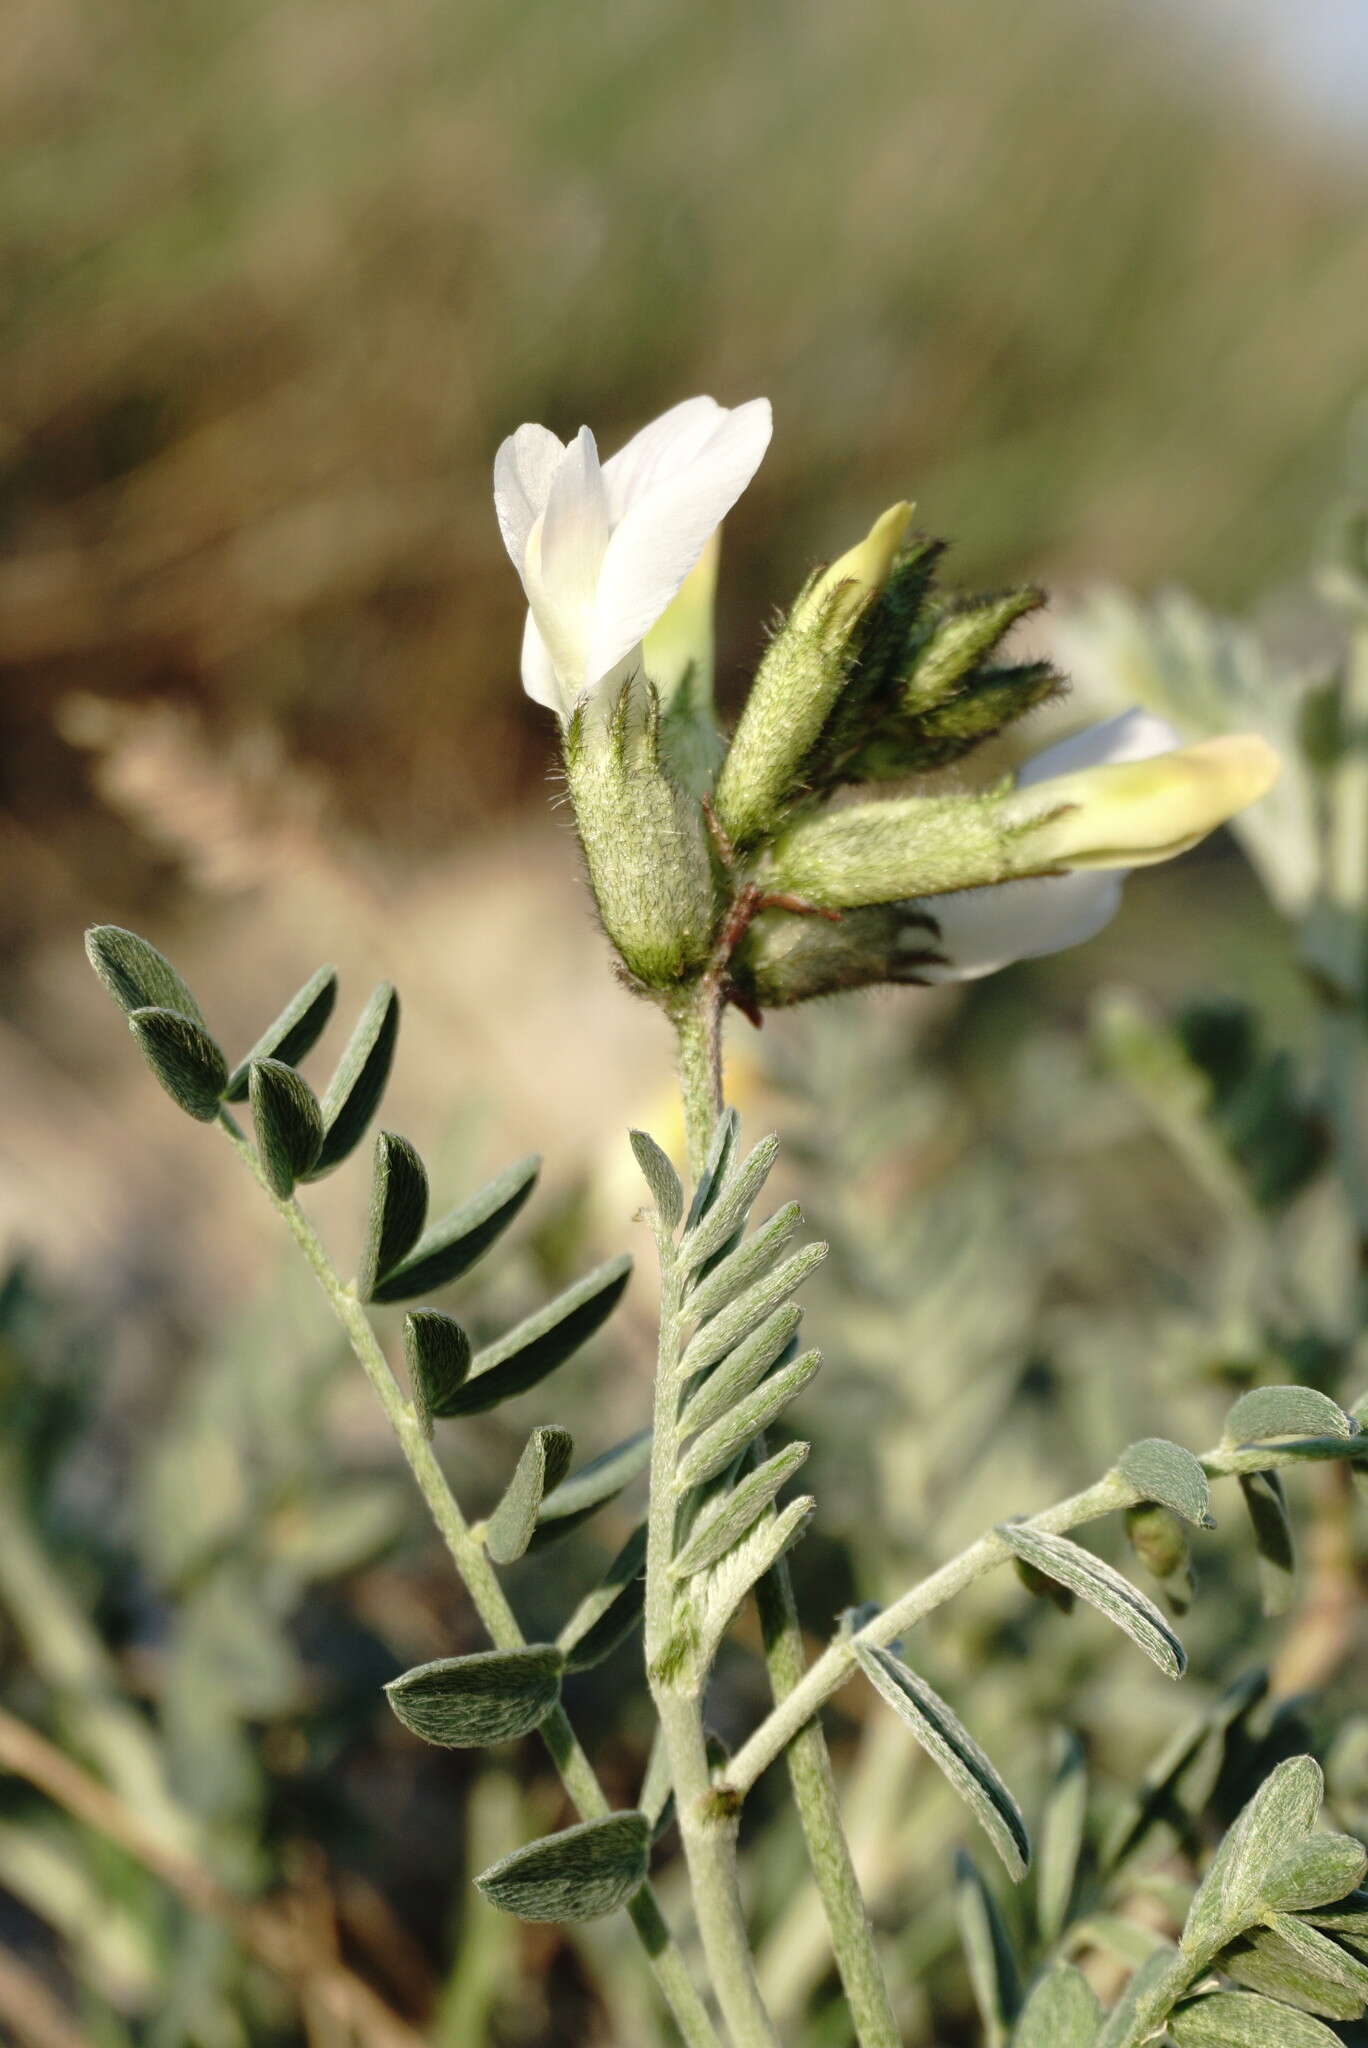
(698, 1025)
(707, 1829)
(482, 1584)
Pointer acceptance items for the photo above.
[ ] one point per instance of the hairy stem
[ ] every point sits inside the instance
(699, 1028)
(487, 1595)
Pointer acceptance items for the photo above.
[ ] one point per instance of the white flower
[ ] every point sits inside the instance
(602, 549)
(982, 930)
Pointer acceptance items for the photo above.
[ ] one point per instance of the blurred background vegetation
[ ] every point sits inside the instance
(1087, 279)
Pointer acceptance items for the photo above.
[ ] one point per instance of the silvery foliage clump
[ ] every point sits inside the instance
(843, 836)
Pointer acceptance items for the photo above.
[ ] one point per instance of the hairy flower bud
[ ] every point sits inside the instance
(787, 959)
(645, 840)
(804, 670)
(1132, 813)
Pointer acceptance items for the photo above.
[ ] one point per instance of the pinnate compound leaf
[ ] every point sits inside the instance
(437, 1353)
(184, 1059)
(295, 1031)
(1289, 1960)
(1171, 1476)
(451, 1246)
(580, 1874)
(950, 1745)
(724, 1331)
(714, 1450)
(353, 1094)
(1061, 2012)
(1273, 1414)
(585, 1491)
(1103, 1588)
(524, 1356)
(740, 1370)
(987, 1952)
(725, 1280)
(398, 1209)
(725, 1520)
(1272, 1525)
(137, 975)
(606, 1616)
(1276, 1821)
(288, 1123)
(1241, 2019)
(1061, 1838)
(544, 1463)
(461, 1702)
(732, 1205)
(667, 1190)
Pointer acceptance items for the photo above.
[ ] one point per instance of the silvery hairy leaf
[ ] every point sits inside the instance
(715, 1167)
(295, 1031)
(732, 1324)
(451, 1246)
(730, 1207)
(733, 1378)
(607, 1615)
(353, 1094)
(585, 1491)
(727, 1518)
(437, 1353)
(1061, 2012)
(398, 1209)
(713, 1596)
(988, 1954)
(950, 1745)
(1241, 2019)
(184, 1059)
(1143, 2004)
(714, 1450)
(137, 975)
(544, 1462)
(1272, 1414)
(1287, 1959)
(1278, 1818)
(528, 1353)
(580, 1874)
(1272, 1525)
(726, 1279)
(1171, 1476)
(1102, 1588)
(666, 1189)
(461, 1702)
(1061, 1838)
(288, 1123)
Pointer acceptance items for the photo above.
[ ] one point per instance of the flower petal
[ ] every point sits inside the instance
(659, 450)
(665, 528)
(565, 553)
(523, 470)
(983, 930)
(1134, 736)
(539, 673)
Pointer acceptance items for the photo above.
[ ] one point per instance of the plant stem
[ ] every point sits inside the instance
(698, 1025)
(707, 1829)
(486, 1593)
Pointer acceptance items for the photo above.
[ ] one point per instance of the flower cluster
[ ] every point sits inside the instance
(753, 858)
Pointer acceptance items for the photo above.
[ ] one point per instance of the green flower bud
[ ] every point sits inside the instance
(967, 630)
(802, 674)
(645, 840)
(787, 958)
(1160, 1542)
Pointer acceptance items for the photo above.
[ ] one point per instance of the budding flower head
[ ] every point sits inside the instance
(843, 590)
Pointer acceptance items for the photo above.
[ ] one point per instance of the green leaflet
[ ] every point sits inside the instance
(1061, 2012)
(1267, 1504)
(1102, 1588)
(730, 1207)
(461, 1702)
(739, 1268)
(1241, 2019)
(666, 1189)
(1289, 1960)
(715, 1167)
(1270, 1414)
(727, 1518)
(1061, 1838)
(718, 1445)
(606, 1616)
(988, 1953)
(398, 1209)
(288, 1123)
(544, 1463)
(743, 1369)
(437, 1353)
(184, 1059)
(1144, 2002)
(1275, 1821)
(137, 975)
(451, 1246)
(737, 1320)
(585, 1491)
(525, 1355)
(1171, 1476)
(580, 1874)
(1318, 1872)
(707, 1602)
(295, 1031)
(953, 1748)
(353, 1094)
